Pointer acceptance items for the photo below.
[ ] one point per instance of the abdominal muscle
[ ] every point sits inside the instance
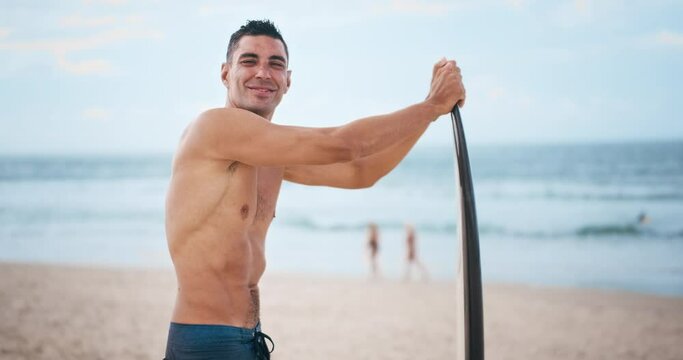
(218, 284)
(216, 240)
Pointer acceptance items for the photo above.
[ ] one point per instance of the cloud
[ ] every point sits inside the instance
(440, 8)
(106, 2)
(573, 14)
(517, 3)
(85, 43)
(212, 9)
(495, 89)
(60, 48)
(669, 38)
(419, 7)
(496, 93)
(93, 33)
(78, 21)
(336, 12)
(664, 39)
(295, 14)
(583, 6)
(95, 113)
(85, 67)
(134, 19)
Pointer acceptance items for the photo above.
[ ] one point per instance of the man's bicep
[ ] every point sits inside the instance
(280, 145)
(240, 135)
(341, 175)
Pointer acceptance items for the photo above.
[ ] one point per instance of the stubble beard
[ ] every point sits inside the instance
(251, 103)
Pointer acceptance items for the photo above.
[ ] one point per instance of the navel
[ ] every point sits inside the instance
(244, 211)
(233, 166)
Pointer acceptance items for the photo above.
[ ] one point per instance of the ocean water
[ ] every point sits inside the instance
(559, 215)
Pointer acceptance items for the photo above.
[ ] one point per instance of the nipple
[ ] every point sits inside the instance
(244, 211)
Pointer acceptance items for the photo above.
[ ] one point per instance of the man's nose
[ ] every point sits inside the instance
(263, 72)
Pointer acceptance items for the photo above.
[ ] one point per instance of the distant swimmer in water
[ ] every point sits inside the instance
(373, 249)
(643, 219)
(411, 255)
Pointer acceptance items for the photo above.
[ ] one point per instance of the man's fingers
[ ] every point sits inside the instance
(444, 70)
(449, 65)
(439, 64)
(452, 65)
(449, 71)
(448, 68)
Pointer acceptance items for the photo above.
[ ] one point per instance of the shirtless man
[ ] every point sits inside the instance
(226, 178)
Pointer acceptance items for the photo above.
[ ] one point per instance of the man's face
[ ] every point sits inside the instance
(257, 75)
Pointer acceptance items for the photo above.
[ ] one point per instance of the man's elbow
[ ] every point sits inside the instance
(344, 148)
(344, 151)
(363, 176)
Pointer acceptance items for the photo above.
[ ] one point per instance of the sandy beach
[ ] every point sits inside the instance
(60, 312)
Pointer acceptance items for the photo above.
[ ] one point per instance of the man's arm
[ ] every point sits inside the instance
(235, 134)
(356, 174)
(240, 135)
(363, 172)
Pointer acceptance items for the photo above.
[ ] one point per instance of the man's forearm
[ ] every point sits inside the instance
(377, 165)
(374, 134)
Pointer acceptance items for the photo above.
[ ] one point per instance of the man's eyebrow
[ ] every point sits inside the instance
(278, 57)
(248, 55)
(255, 56)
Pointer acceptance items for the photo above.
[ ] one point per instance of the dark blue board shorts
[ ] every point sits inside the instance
(216, 342)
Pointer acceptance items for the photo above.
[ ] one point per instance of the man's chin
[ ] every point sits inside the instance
(263, 111)
(258, 106)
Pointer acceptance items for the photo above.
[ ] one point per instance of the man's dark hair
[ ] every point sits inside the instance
(255, 28)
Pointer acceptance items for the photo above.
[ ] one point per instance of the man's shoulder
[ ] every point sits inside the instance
(216, 123)
(224, 114)
(222, 111)
(203, 136)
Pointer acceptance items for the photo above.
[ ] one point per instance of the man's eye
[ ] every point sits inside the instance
(278, 65)
(248, 62)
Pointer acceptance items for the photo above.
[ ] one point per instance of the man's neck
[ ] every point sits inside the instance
(268, 116)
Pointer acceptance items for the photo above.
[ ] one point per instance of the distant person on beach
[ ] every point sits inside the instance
(411, 255)
(643, 219)
(226, 178)
(373, 249)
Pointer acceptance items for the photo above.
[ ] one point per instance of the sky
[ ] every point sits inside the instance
(116, 76)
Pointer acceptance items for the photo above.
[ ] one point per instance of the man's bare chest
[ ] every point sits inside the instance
(268, 183)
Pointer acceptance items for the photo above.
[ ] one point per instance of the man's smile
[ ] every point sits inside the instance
(261, 89)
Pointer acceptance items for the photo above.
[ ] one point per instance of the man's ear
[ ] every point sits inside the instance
(289, 80)
(225, 73)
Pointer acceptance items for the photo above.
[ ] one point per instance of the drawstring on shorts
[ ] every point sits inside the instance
(262, 350)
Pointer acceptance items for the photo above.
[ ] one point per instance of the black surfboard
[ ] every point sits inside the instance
(470, 336)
